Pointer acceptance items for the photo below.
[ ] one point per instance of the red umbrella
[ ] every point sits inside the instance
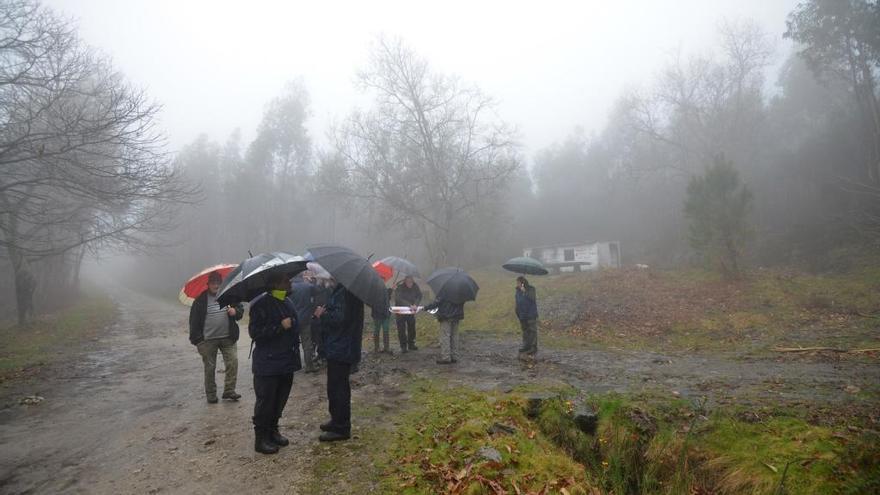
(384, 271)
(198, 283)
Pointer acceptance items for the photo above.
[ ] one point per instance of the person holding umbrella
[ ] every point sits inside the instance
(342, 323)
(407, 293)
(214, 328)
(527, 312)
(453, 287)
(526, 301)
(273, 328)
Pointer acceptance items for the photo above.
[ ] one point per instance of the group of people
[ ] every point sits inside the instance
(326, 321)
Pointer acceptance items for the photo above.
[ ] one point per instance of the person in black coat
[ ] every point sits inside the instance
(527, 312)
(273, 328)
(407, 293)
(342, 324)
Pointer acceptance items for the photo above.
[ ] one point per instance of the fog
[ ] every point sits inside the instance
(453, 133)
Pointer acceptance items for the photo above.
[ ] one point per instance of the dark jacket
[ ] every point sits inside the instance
(303, 296)
(342, 326)
(199, 311)
(447, 310)
(380, 313)
(276, 350)
(527, 304)
(406, 296)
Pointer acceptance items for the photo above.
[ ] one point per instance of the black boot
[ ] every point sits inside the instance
(277, 438)
(328, 426)
(262, 444)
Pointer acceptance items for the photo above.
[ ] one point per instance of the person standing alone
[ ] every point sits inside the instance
(527, 312)
(213, 328)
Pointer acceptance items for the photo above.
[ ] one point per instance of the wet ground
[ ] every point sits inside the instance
(128, 414)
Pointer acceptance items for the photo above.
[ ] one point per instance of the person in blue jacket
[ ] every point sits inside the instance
(273, 328)
(527, 312)
(342, 326)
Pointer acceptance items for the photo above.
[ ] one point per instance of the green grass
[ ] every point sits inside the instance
(436, 449)
(683, 310)
(643, 445)
(46, 339)
(668, 446)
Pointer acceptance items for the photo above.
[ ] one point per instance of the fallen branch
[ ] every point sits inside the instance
(829, 349)
(866, 315)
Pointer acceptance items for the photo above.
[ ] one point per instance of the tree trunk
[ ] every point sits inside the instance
(25, 285)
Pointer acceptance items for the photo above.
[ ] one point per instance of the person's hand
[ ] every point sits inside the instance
(414, 308)
(287, 323)
(319, 311)
(230, 311)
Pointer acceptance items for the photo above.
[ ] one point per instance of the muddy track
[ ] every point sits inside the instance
(129, 415)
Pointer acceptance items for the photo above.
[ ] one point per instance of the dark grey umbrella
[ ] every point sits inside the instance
(525, 265)
(453, 284)
(352, 271)
(248, 279)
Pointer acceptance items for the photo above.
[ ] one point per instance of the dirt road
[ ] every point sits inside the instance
(129, 415)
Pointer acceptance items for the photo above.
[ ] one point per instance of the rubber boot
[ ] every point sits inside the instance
(277, 438)
(262, 443)
(387, 347)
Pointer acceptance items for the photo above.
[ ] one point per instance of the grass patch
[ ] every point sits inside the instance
(46, 339)
(671, 447)
(683, 310)
(445, 446)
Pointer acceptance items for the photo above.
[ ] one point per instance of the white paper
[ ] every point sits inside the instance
(405, 310)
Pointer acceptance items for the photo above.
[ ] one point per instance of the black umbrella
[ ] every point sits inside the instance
(402, 266)
(352, 271)
(248, 280)
(525, 265)
(453, 284)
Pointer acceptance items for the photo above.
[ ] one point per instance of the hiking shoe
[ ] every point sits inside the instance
(413, 347)
(333, 436)
(445, 361)
(231, 396)
(328, 426)
(212, 400)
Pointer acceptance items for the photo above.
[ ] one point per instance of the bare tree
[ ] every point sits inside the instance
(81, 160)
(429, 153)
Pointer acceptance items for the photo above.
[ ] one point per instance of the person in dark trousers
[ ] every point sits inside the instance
(449, 314)
(342, 324)
(407, 293)
(214, 328)
(273, 328)
(322, 295)
(381, 321)
(303, 296)
(527, 312)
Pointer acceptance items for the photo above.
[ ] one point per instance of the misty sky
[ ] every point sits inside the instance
(552, 66)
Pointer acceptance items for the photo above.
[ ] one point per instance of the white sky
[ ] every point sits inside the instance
(552, 65)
